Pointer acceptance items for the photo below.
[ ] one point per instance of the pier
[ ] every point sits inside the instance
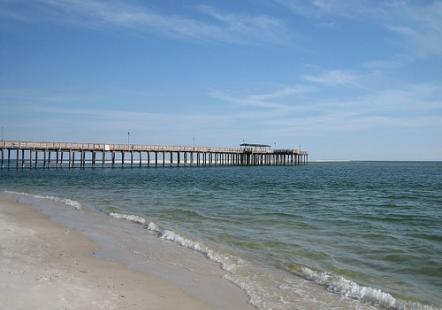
(33, 155)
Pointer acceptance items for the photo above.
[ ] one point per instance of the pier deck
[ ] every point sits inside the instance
(28, 154)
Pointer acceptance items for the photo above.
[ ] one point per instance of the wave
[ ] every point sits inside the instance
(348, 288)
(66, 201)
(227, 262)
(128, 217)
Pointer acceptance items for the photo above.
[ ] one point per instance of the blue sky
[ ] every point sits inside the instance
(343, 79)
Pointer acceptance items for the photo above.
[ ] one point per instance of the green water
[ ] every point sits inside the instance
(374, 224)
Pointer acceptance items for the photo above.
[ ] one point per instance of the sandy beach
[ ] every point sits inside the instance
(44, 265)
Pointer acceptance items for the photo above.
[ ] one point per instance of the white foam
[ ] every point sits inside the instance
(172, 236)
(227, 262)
(153, 227)
(231, 264)
(128, 217)
(68, 202)
(345, 287)
(348, 288)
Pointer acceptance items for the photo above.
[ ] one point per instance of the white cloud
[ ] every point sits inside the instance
(334, 77)
(420, 26)
(216, 26)
(419, 23)
(340, 8)
(409, 106)
(257, 27)
(281, 93)
(247, 101)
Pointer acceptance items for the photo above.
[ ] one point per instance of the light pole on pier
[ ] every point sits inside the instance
(128, 139)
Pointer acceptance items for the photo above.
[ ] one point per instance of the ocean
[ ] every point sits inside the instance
(351, 235)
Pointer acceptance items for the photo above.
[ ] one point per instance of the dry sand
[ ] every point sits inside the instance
(44, 265)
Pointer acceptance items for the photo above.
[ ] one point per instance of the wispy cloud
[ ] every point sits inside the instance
(215, 25)
(255, 27)
(419, 23)
(409, 106)
(274, 100)
(283, 92)
(327, 8)
(334, 77)
(247, 101)
(421, 26)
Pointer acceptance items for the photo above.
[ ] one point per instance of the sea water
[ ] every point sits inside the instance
(368, 234)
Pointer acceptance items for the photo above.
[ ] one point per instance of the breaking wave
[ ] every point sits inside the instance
(334, 283)
(227, 262)
(348, 288)
(128, 217)
(66, 201)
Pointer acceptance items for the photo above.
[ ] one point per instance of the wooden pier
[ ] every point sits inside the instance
(31, 155)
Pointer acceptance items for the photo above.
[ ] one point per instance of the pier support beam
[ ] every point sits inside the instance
(9, 158)
(93, 159)
(50, 159)
(22, 158)
(16, 163)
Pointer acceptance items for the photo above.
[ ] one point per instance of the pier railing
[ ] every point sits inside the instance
(113, 147)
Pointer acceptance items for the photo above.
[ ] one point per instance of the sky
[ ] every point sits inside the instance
(343, 79)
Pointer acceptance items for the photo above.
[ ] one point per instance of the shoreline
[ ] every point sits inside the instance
(46, 264)
(146, 248)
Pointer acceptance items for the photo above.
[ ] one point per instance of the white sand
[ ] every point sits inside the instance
(44, 265)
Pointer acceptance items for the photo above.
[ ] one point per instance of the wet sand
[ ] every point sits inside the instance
(44, 265)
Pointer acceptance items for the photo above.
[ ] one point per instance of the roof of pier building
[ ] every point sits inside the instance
(253, 147)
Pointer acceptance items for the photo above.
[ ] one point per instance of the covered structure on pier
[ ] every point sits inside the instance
(255, 148)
